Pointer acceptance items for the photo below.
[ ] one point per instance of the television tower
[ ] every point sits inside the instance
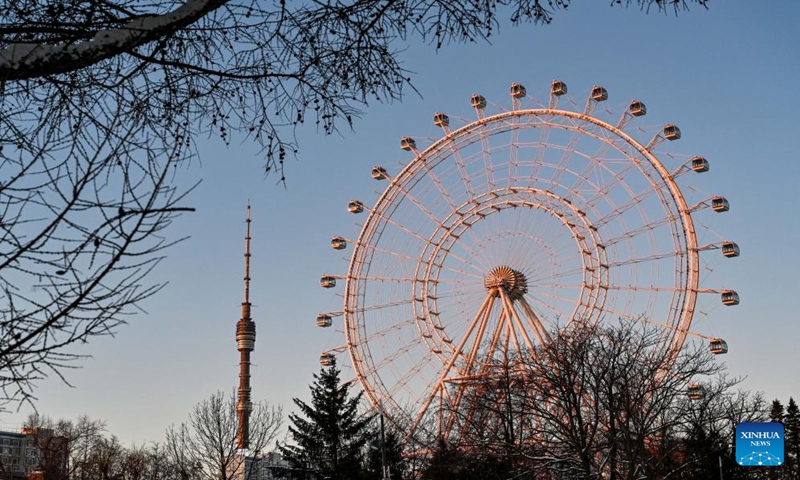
(246, 342)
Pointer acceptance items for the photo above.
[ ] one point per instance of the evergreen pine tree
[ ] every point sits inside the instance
(329, 435)
(449, 463)
(393, 451)
(776, 412)
(791, 425)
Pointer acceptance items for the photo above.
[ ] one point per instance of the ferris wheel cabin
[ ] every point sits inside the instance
(558, 88)
(637, 108)
(338, 243)
(720, 204)
(327, 359)
(699, 164)
(672, 132)
(327, 281)
(729, 297)
(730, 249)
(478, 101)
(441, 120)
(379, 173)
(518, 90)
(355, 206)
(408, 143)
(324, 320)
(718, 346)
(599, 94)
(694, 391)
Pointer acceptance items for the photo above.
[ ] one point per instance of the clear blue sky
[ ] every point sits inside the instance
(727, 76)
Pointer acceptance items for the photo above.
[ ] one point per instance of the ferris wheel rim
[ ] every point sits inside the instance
(395, 188)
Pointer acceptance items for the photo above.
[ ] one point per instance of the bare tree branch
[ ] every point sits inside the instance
(102, 100)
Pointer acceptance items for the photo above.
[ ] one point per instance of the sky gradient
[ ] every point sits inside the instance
(728, 76)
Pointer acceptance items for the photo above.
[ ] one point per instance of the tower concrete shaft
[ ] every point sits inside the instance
(246, 342)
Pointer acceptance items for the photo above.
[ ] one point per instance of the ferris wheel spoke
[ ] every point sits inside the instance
(445, 193)
(564, 274)
(373, 366)
(617, 179)
(569, 151)
(562, 235)
(476, 273)
(461, 272)
(393, 253)
(479, 265)
(516, 251)
(544, 136)
(462, 169)
(380, 306)
(644, 259)
(595, 160)
(559, 285)
(649, 288)
(439, 244)
(390, 329)
(623, 208)
(547, 306)
(513, 162)
(600, 163)
(640, 319)
(554, 296)
(406, 195)
(395, 224)
(382, 279)
(640, 230)
(487, 160)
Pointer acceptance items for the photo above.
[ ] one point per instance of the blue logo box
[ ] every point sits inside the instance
(759, 444)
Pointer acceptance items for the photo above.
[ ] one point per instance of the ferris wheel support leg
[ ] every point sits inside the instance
(439, 414)
(498, 331)
(513, 311)
(470, 363)
(541, 332)
(511, 334)
(440, 383)
(507, 342)
(476, 344)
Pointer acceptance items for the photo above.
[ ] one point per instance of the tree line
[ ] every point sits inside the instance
(595, 402)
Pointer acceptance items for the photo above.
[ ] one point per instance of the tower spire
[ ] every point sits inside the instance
(247, 266)
(246, 342)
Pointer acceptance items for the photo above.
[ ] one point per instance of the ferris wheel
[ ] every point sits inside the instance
(508, 227)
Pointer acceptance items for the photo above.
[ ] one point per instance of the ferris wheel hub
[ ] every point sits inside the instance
(513, 282)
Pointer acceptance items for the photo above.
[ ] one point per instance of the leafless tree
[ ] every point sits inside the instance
(102, 100)
(204, 447)
(601, 402)
(78, 449)
(147, 462)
